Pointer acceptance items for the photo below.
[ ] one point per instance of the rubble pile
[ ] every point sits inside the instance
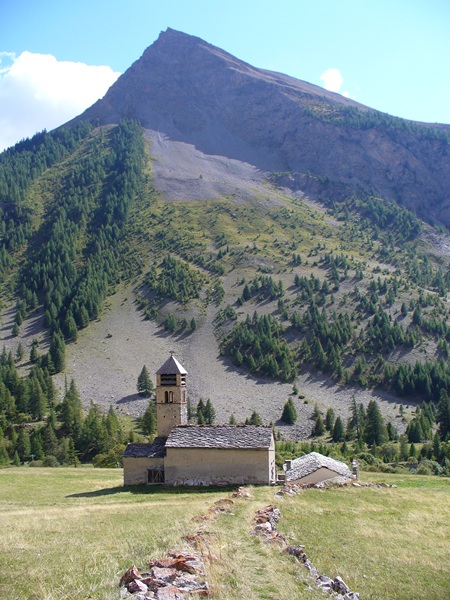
(241, 493)
(168, 578)
(266, 520)
(291, 489)
(221, 506)
(266, 525)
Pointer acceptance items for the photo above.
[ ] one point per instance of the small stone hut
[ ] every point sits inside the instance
(185, 454)
(314, 468)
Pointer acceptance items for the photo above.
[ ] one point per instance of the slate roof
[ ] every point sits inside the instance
(155, 450)
(171, 367)
(219, 436)
(307, 464)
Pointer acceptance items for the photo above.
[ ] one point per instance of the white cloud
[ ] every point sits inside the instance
(332, 80)
(39, 92)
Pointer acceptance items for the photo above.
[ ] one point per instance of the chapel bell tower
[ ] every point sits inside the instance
(171, 396)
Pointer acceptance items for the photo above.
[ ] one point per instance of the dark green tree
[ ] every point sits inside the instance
(34, 354)
(23, 445)
(289, 414)
(392, 432)
(144, 383)
(19, 352)
(329, 419)
(57, 352)
(255, 419)
(148, 421)
(375, 430)
(210, 413)
(443, 415)
(72, 411)
(319, 427)
(201, 409)
(338, 433)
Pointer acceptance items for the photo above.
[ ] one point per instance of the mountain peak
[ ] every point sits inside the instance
(194, 92)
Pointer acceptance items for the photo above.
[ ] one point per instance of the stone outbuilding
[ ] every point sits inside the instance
(314, 468)
(183, 454)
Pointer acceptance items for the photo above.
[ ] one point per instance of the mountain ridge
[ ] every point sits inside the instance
(194, 92)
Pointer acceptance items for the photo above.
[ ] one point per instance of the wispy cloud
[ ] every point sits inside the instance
(333, 81)
(39, 92)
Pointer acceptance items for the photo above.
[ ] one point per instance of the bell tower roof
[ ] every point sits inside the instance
(171, 367)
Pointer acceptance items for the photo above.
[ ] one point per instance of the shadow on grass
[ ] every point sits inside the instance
(151, 490)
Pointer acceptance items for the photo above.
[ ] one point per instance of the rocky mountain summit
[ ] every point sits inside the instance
(314, 140)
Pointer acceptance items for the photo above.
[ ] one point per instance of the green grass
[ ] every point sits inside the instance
(71, 533)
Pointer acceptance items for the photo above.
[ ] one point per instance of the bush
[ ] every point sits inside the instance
(387, 469)
(367, 458)
(50, 461)
(429, 467)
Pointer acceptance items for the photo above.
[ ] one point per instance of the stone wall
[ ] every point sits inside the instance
(207, 466)
(135, 469)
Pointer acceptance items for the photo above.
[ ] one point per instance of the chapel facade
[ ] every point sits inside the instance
(184, 454)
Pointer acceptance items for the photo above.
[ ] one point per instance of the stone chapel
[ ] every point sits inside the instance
(184, 454)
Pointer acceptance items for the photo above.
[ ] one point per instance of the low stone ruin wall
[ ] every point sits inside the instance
(266, 526)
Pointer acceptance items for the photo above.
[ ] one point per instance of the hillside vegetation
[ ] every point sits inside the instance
(355, 290)
(72, 533)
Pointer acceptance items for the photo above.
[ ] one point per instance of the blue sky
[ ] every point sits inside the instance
(57, 57)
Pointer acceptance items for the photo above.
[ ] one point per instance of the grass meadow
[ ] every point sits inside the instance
(71, 533)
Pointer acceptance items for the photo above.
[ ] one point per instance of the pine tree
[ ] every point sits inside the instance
(23, 445)
(246, 294)
(319, 427)
(34, 354)
(443, 415)
(57, 352)
(403, 448)
(210, 413)
(72, 411)
(201, 409)
(255, 419)
(148, 421)
(289, 414)
(232, 420)
(392, 432)
(19, 352)
(36, 447)
(144, 383)
(329, 419)
(338, 430)
(72, 454)
(375, 429)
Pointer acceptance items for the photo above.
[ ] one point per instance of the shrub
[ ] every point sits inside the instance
(368, 458)
(50, 461)
(429, 467)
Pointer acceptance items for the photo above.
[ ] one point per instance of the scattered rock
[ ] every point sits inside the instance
(130, 575)
(137, 586)
(241, 493)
